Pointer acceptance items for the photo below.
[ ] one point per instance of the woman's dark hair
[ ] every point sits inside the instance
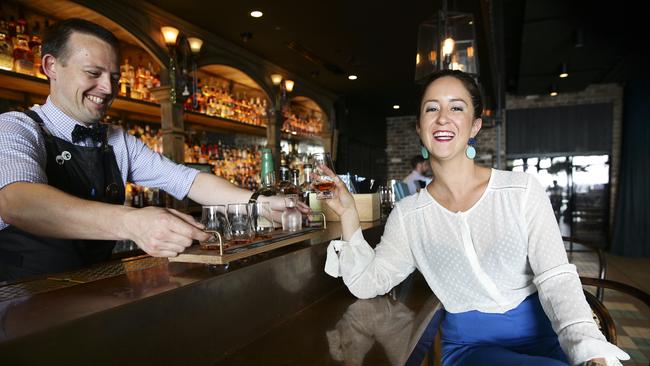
(468, 82)
(55, 37)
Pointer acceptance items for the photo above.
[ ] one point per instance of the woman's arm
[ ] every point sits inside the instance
(558, 284)
(367, 272)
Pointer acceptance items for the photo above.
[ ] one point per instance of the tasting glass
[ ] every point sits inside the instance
(262, 219)
(241, 228)
(216, 222)
(322, 183)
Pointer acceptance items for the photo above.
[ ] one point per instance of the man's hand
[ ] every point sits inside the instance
(278, 206)
(162, 232)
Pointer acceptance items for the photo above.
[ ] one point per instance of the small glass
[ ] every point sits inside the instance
(262, 219)
(322, 183)
(291, 217)
(216, 222)
(241, 228)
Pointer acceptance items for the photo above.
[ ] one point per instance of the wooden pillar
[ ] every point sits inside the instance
(172, 126)
(273, 134)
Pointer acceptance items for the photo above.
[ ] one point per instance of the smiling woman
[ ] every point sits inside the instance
(485, 240)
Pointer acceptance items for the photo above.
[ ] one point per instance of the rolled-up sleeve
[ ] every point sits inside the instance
(22, 152)
(558, 284)
(150, 169)
(369, 272)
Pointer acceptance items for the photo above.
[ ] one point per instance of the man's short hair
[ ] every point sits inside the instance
(55, 37)
(417, 159)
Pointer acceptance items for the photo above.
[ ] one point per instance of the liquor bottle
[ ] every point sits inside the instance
(23, 56)
(267, 175)
(305, 187)
(6, 49)
(285, 186)
(35, 45)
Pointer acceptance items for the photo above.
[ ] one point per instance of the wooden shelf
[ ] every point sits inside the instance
(222, 124)
(29, 90)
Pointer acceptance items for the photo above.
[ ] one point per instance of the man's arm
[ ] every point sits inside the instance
(209, 189)
(46, 211)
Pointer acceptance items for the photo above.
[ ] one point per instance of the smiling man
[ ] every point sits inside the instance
(62, 173)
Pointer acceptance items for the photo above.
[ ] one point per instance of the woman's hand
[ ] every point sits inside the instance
(342, 203)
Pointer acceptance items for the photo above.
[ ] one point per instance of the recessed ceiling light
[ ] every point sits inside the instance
(256, 14)
(352, 77)
(396, 106)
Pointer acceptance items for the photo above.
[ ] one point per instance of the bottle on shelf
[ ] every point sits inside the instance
(23, 56)
(35, 44)
(267, 175)
(305, 187)
(6, 48)
(285, 186)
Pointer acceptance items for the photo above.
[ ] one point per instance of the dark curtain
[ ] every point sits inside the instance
(632, 215)
(585, 129)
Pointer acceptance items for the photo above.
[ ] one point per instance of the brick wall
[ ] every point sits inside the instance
(597, 93)
(402, 143)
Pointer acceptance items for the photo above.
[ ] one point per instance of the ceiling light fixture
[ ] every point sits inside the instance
(564, 70)
(256, 14)
(553, 92)
(396, 106)
(449, 42)
(352, 77)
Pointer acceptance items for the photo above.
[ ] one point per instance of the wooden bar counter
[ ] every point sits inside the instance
(276, 308)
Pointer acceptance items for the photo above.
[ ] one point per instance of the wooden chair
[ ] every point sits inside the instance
(601, 314)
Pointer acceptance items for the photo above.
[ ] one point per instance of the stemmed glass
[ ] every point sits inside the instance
(323, 175)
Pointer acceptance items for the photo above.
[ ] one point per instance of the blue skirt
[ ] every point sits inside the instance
(521, 336)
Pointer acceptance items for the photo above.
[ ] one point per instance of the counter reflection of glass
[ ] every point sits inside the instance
(322, 182)
(380, 319)
(262, 219)
(215, 221)
(241, 228)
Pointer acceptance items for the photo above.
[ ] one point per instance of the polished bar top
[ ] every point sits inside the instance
(341, 328)
(151, 311)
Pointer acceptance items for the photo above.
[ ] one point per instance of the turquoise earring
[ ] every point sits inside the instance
(470, 152)
(424, 152)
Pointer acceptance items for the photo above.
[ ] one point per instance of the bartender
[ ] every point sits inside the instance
(62, 174)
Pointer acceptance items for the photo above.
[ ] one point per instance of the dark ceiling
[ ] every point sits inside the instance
(326, 40)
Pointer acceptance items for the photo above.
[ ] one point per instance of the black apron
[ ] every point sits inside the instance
(86, 172)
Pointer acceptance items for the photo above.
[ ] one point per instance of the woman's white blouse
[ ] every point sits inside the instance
(488, 258)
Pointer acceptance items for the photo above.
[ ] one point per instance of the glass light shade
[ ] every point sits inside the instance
(447, 41)
(169, 34)
(276, 79)
(195, 44)
(288, 84)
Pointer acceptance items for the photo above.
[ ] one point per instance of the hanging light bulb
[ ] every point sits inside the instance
(448, 46)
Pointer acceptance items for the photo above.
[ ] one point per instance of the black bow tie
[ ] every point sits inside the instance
(97, 132)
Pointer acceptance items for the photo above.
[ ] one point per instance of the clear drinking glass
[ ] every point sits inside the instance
(291, 217)
(241, 228)
(322, 183)
(215, 221)
(262, 219)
